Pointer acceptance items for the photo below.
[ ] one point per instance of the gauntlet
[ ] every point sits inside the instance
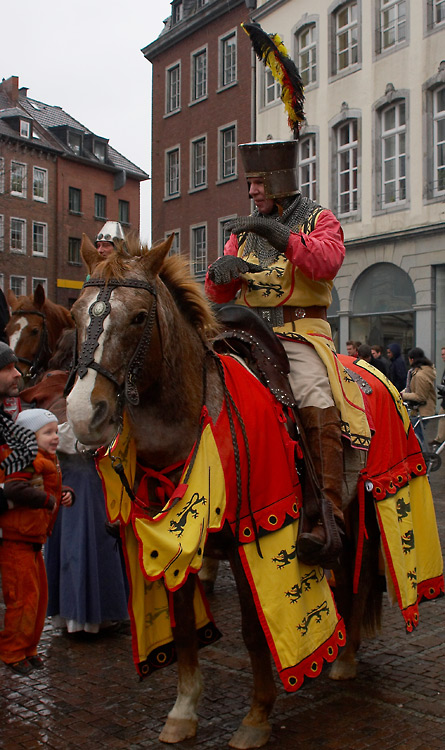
(230, 267)
(277, 234)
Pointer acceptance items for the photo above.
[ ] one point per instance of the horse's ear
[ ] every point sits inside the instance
(89, 253)
(39, 296)
(11, 299)
(154, 259)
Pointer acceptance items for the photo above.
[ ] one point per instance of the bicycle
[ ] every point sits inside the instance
(432, 457)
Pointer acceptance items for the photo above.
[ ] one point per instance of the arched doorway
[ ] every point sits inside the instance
(382, 307)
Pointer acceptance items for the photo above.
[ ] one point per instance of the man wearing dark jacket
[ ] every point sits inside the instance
(397, 367)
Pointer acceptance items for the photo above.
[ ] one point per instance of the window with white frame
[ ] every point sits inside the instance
(345, 37)
(439, 141)
(392, 24)
(227, 151)
(43, 282)
(393, 154)
(40, 184)
(18, 236)
(2, 174)
(199, 164)
(347, 161)
(39, 238)
(2, 233)
(271, 88)
(307, 166)
(177, 11)
(199, 250)
(18, 285)
(435, 14)
(227, 62)
(175, 248)
(18, 179)
(74, 257)
(307, 53)
(199, 75)
(173, 89)
(25, 129)
(172, 173)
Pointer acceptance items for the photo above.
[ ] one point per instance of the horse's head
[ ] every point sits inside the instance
(125, 319)
(34, 329)
(27, 330)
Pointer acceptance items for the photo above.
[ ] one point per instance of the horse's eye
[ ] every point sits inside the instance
(35, 332)
(140, 318)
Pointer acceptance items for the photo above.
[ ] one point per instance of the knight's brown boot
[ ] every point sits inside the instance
(319, 540)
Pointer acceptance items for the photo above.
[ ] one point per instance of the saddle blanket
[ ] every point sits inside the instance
(294, 602)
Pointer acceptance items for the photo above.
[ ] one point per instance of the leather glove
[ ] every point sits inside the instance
(230, 267)
(271, 229)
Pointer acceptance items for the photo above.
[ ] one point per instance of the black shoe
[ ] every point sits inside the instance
(22, 667)
(36, 662)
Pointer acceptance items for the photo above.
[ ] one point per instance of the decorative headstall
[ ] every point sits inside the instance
(98, 311)
(43, 349)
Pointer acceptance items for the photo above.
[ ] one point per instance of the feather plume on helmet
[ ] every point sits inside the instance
(270, 50)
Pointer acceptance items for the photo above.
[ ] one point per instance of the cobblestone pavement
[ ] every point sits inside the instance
(89, 695)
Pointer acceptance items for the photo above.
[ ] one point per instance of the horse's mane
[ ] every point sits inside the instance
(175, 274)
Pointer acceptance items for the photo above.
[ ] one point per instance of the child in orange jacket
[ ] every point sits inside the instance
(34, 495)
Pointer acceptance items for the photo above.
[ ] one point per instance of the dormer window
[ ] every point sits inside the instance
(25, 129)
(100, 150)
(75, 142)
(177, 11)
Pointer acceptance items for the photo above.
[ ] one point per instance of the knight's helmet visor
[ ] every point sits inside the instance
(275, 162)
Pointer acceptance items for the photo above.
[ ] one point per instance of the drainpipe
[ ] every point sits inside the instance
(251, 6)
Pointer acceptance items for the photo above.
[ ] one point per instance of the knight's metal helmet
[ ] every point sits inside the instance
(110, 232)
(275, 162)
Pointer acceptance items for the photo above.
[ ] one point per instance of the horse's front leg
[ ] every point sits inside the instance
(255, 728)
(182, 720)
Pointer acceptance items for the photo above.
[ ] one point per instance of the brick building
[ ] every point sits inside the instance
(202, 69)
(57, 180)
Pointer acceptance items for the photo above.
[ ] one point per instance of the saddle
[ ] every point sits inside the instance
(246, 334)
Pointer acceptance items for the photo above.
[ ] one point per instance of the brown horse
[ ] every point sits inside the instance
(34, 328)
(144, 332)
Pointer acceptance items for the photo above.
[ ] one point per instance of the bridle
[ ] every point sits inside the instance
(99, 309)
(43, 349)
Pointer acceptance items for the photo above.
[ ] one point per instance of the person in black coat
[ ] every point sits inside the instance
(397, 368)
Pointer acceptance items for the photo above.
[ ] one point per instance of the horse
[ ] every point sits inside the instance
(34, 329)
(145, 364)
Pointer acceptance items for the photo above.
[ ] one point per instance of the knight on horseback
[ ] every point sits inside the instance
(281, 261)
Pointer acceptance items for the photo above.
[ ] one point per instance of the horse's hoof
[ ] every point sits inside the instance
(247, 737)
(177, 730)
(343, 670)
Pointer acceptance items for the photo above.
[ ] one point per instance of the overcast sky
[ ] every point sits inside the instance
(85, 57)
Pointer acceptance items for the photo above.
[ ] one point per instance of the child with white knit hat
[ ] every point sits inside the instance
(34, 495)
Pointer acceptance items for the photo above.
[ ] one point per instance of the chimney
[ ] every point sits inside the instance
(10, 87)
(23, 91)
